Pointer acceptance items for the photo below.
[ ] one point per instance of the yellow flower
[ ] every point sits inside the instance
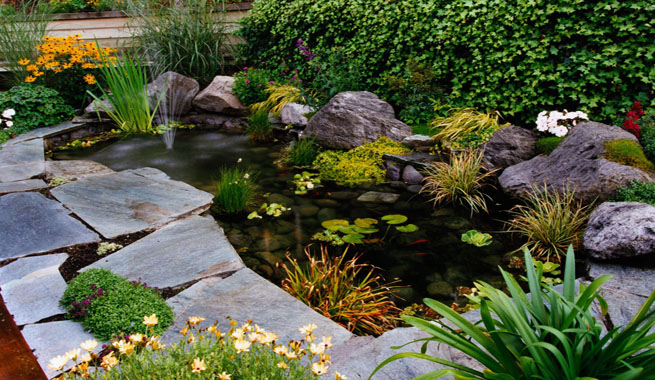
(37, 73)
(253, 337)
(291, 355)
(280, 350)
(211, 329)
(267, 338)
(317, 349)
(89, 65)
(242, 345)
(308, 329)
(137, 338)
(155, 344)
(151, 320)
(191, 338)
(85, 357)
(224, 376)
(89, 345)
(326, 342)
(109, 361)
(319, 368)
(23, 62)
(124, 347)
(198, 365)
(339, 376)
(72, 354)
(58, 362)
(238, 334)
(90, 79)
(184, 331)
(282, 365)
(32, 67)
(192, 320)
(29, 79)
(68, 66)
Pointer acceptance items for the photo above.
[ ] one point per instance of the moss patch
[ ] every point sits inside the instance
(547, 145)
(627, 152)
(643, 192)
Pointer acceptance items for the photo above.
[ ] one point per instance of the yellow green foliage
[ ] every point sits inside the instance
(465, 128)
(627, 152)
(357, 166)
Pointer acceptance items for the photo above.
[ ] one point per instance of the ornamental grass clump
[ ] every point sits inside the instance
(240, 353)
(343, 290)
(303, 151)
(459, 182)
(259, 127)
(465, 128)
(235, 190)
(550, 221)
(547, 334)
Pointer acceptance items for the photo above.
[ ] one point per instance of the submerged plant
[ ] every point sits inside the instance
(550, 221)
(343, 290)
(306, 181)
(235, 190)
(127, 93)
(547, 335)
(459, 182)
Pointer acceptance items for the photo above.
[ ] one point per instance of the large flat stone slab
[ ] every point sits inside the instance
(378, 197)
(22, 161)
(21, 186)
(246, 295)
(31, 223)
(22, 267)
(181, 252)
(127, 202)
(48, 340)
(35, 296)
(74, 169)
(41, 133)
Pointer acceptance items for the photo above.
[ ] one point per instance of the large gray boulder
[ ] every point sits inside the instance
(351, 119)
(294, 114)
(174, 91)
(218, 97)
(509, 146)
(620, 229)
(577, 162)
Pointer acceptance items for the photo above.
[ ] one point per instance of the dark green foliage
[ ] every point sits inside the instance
(250, 83)
(627, 152)
(643, 192)
(35, 106)
(259, 128)
(516, 56)
(546, 145)
(235, 190)
(303, 151)
(647, 137)
(108, 304)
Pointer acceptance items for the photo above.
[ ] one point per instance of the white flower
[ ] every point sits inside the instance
(7, 114)
(310, 185)
(58, 362)
(239, 160)
(9, 123)
(560, 131)
(89, 345)
(246, 176)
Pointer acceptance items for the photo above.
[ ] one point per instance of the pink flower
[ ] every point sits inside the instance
(247, 81)
(245, 68)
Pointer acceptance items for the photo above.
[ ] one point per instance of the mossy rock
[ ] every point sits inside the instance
(627, 152)
(546, 145)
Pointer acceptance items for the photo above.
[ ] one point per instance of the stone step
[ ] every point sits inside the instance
(22, 161)
(24, 266)
(21, 186)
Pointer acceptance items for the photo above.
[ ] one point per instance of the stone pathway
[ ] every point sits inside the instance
(22, 161)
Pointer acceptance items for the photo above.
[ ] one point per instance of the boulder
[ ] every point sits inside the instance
(294, 114)
(175, 93)
(412, 176)
(619, 230)
(419, 142)
(351, 119)
(394, 170)
(95, 108)
(218, 97)
(577, 162)
(509, 146)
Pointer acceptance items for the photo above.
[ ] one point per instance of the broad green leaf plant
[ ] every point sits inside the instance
(547, 335)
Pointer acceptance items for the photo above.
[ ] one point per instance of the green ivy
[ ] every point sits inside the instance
(643, 192)
(516, 56)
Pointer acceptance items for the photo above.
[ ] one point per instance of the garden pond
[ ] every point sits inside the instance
(430, 262)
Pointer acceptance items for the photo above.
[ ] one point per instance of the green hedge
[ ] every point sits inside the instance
(516, 56)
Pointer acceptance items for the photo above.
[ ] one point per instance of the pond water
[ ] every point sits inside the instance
(431, 262)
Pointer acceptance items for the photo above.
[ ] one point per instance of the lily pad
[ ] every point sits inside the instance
(394, 219)
(407, 228)
(365, 222)
(334, 224)
(476, 238)
(353, 238)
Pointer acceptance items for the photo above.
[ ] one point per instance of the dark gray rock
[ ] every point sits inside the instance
(620, 229)
(36, 296)
(294, 114)
(412, 176)
(31, 223)
(96, 108)
(577, 162)
(343, 195)
(218, 97)
(414, 188)
(21, 186)
(130, 201)
(378, 197)
(22, 160)
(22, 267)
(394, 170)
(214, 120)
(179, 253)
(330, 203)
(74, 169)
(418, 141)
(351, 119)
(440, 289)
(508, 146)
(418, 159)
(247, 296)
(174, 91)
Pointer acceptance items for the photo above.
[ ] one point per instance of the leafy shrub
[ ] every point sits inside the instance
(647, 135)
(627, 152)
(459, 182)
(359, 165)
(246, 352)
(344, 291)
(546, 145)
(74, 6)
(465, 128)
(303, 152)
(259, 127)
(550, 222)
(250, 85)
(235, 190)
(108, 304)
(643, 192)
(186, 37)
(518, 56)
(547, 335)
(35, 106)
